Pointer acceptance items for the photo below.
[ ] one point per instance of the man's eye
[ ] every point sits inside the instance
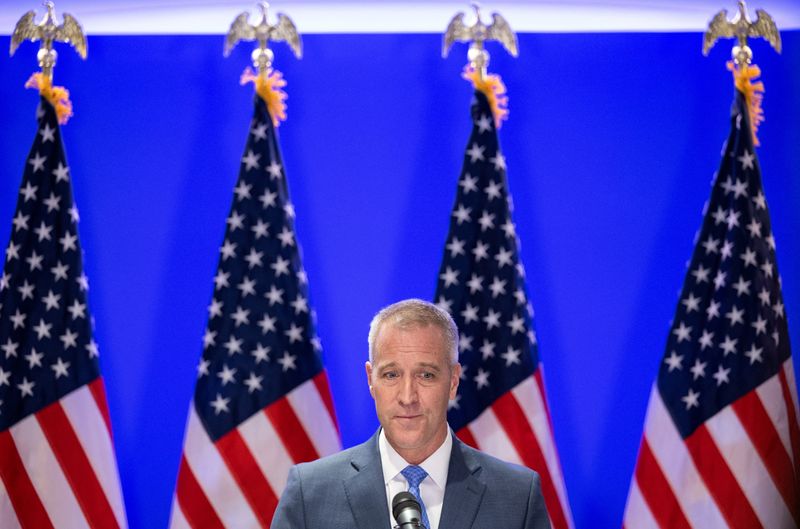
(427, 375)
(390, 375)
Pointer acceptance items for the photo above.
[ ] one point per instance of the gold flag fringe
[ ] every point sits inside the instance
(58, 96)
(743, 77)
(268, 87)
(493, 88)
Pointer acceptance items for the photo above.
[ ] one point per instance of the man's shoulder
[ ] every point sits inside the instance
(495, 468)
(334, 464)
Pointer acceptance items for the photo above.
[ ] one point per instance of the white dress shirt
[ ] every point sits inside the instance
(431, 488)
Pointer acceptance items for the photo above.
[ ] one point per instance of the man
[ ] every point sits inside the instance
(412, 372)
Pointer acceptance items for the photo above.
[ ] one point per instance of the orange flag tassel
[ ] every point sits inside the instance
(269, 88)
(58, 96)
(743, 77)
(493, 88)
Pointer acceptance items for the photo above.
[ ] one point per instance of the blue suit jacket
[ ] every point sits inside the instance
(347, 491)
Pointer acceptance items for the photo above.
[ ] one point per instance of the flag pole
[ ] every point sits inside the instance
(703, 449)
(476, 34)
(268, 81)
(744, 71)
(502, 376)
(741, 27)
(261, 382)
(263, 32)
(52, 393)
(48, 31)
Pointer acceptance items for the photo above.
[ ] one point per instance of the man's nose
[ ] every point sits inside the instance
(408, 391)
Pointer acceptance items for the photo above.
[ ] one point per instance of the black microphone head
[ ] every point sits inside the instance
(405, 508)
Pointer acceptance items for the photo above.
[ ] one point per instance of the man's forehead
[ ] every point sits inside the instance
(417, 332)
(408, 325)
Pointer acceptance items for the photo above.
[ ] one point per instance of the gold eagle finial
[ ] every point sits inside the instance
(48, 31)
(477, 34)
(263, 32)
(742, 27)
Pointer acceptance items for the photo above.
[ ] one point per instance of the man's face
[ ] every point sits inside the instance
(411, 381)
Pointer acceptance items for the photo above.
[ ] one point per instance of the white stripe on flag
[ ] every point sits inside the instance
(90, 427)
(8, 517)
(771, 395)
(673, 457)
(530, 400)
(314, 416)
(267, 449)
(46, 475)
(178, 520)
(637, 513)
(491, 437)
(788, 370)
(214, 477)
(739, 453)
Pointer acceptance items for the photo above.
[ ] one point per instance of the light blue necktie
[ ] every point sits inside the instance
(415, 475)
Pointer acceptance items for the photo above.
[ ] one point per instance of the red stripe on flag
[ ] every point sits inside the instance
(292, 434)
(24, 498)
(99, 393)
(79, 472)
(515, 423)
(324, 390)
(193, 502)
(248, 476)
(539, 376)
(794, 430)
(720, 481)
(466, 436)
(657, 492)
(767, 441)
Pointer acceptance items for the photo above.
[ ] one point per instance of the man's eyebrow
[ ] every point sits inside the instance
(387, 365)
(393, 364)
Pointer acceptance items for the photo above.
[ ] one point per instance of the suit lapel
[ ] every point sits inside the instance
(464, 491)
(366, 488)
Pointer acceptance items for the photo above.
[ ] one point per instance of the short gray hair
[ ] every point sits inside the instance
(415, 313)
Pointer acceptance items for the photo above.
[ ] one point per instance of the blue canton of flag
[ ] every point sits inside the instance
(721, 445)
(260, 342)
(482, 284)
(729, 334)
(481, 280)
(262, 401)
(56, 455)
(45, 329)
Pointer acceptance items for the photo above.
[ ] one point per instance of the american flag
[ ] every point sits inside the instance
(57, 462)
(501, 406)
(262, 401)
(721, 445)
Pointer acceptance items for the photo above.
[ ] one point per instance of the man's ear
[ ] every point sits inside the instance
(368, 369)
(454, 380)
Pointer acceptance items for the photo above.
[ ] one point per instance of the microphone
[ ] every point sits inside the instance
(406, 511)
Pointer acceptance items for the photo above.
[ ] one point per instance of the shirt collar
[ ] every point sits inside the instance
(436, 465)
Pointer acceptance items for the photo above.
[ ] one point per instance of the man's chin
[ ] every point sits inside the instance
(407, 437)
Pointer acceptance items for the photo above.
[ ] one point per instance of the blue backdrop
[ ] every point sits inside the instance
(611, 145)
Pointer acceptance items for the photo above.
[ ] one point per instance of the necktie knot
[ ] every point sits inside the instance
(414, 475)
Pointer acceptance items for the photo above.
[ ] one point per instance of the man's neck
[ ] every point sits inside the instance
(414, 457)
(417, 456)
